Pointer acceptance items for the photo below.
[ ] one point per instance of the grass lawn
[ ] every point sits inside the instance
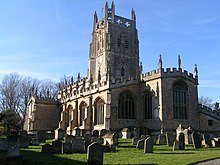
(125, 154)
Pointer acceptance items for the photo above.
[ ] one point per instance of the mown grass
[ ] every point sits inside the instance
(124, 154)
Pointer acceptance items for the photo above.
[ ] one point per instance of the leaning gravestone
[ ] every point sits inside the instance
(196, 140)
(95, 154)
(148, 145)
(181, 141)
(207, 140)
(170, 138)
(140, 144)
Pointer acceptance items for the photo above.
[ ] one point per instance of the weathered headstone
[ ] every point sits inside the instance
(188, 137)
(77, 131)
(140, 144)
(196, 140)
(103, 132)
(170, 138)
(68, 138)
(46, 149)
(87, 139)
(41, 136)
(67, 148)
(179, 130)
(126, 133)
(95, 154)
(181, 141)
(148, 145)
(161, 139)
(13, 149)
(78, 145)
(176, 145)
(59, 134)
(57, 147)
(136, 132)
(24, 139)
(135, 140)
(207, 140)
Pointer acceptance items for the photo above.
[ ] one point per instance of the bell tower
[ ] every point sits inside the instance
(114, 48)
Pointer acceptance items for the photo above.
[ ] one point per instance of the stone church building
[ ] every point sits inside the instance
(117, 94)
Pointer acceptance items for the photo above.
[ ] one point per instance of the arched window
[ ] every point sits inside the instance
(99, 112)
(126, 106)
(180, 100)
(148, 105)
(82, 109)
(122, 71)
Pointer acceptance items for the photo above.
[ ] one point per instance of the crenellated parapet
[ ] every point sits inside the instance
(170, 72)
(80, 88)
(123, 81)
(208, 111)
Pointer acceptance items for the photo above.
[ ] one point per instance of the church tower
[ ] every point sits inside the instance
(114, 49)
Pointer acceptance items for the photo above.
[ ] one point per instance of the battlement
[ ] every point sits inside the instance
(169, 72)
(208, 111)
(118, 82)
(80, 88)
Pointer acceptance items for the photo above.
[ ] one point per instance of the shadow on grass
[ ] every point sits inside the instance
(175, 153)
(205, 161)
(32, 158)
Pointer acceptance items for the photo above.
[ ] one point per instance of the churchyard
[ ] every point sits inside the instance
(105, 148)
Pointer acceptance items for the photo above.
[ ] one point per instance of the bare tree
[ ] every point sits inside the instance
(207, 101)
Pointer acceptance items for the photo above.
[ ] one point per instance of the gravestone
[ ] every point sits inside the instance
(57, 147)
(179, 130)
(196, 140)
(188, 137)
(161, 139)
(87, 139)
(103, 132)
(77, 131)
(126, 133)
(46, 149)
(13, 149)
(176, 145)
(3, 144)
(148, 145)
(59, 134)
(78, 145)
(181, 141)
(41, 136)
(135, 140)
(35, 142)
(68, 138)
(170, 138)
(140, 144)
(136, 132)
(95, 154)
(24, 139)
(95, 133)
(67, 148)
(207, 140)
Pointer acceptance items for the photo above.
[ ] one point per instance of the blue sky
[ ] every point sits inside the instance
(48, 39)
